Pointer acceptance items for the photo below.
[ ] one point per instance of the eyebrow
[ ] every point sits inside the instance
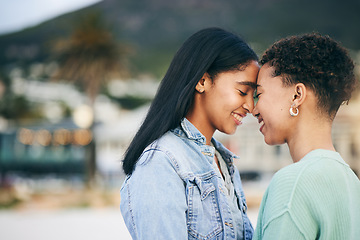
(250, 84)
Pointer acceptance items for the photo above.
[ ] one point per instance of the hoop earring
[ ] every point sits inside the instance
(292, 113)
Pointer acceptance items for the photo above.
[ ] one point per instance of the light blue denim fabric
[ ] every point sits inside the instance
(174, 192)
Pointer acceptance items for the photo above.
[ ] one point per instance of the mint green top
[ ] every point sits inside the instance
(315, 198)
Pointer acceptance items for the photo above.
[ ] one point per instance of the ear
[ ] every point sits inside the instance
(299, 96)
(200, 86)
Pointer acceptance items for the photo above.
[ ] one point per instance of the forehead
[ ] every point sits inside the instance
(247, 76)
(265, 73)
(266, 78)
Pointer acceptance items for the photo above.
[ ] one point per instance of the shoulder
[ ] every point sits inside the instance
(287, 197)
(321, 171)
(287, 178)
(165, 147)
(307, 184)
(313, 168)
(154, 171)
(292, 184)
(158, 156)
(165, 156)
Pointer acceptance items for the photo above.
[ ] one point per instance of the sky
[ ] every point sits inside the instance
(16, 15)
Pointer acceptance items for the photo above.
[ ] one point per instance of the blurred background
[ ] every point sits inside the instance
(77, 78)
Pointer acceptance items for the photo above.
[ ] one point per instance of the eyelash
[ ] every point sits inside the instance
(257, 95)
(242, 93)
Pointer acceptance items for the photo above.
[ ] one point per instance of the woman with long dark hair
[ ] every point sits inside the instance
(181, 183)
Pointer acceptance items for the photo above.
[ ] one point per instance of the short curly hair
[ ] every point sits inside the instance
(318, 62)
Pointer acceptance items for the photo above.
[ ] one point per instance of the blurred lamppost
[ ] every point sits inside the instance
(83, 116)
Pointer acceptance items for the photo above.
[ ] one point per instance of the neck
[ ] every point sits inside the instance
(200, 125)
(309, 137)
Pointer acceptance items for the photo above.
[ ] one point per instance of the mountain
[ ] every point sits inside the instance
(155, 29)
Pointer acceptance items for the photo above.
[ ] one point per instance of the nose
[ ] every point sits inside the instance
(249, 103)
(255, 111)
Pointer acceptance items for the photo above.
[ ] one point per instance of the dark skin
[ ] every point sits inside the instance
(221, 103)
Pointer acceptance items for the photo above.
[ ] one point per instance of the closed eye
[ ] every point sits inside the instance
(242, 93)
(257, 94)
(256, 97)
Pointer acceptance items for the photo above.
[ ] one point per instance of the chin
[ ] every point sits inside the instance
(228, 131)
(272, 142)
(233, 131)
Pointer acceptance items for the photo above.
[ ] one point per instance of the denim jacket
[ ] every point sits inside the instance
(174, 192)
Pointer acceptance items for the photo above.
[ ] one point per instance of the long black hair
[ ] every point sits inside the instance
(211, 50)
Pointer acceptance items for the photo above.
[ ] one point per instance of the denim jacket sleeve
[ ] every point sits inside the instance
(153, 199)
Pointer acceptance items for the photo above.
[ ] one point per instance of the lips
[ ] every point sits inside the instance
(238, 118)
(261, 122)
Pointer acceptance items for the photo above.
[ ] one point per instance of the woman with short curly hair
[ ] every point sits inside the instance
(301, 85)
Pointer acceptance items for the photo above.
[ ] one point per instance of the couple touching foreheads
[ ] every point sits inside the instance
(182, 184)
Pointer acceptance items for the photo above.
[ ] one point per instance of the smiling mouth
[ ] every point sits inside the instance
(238, 118)
(261, 122)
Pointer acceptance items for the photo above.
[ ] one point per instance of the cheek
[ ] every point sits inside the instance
(262, 106)
(236, 100)
(229, 100)
(273, 113)
(277, 126)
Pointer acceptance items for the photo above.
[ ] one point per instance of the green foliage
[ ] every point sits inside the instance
(17, 107)
(131, 102)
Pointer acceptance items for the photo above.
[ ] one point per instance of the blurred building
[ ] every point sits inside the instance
(44, 149)
(58, 143)
(61, 144)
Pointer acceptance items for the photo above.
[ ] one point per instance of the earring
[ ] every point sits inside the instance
(292, 113)
(200, 90)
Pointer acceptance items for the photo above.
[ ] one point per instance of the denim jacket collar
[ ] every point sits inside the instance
(188, 130)
(191, 131)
